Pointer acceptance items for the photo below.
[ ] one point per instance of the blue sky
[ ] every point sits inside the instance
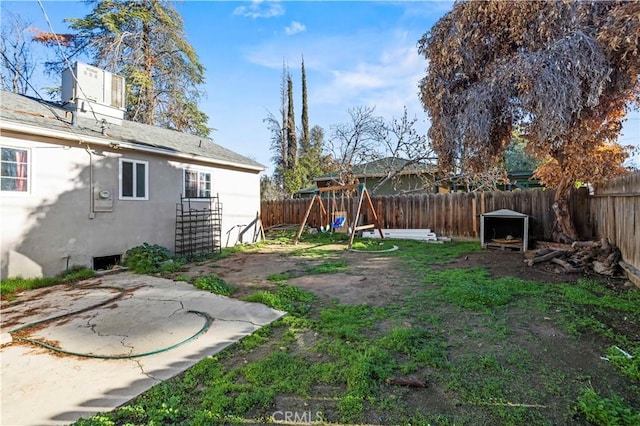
(359, 53)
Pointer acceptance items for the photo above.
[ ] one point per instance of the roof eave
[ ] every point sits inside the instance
(71, 136)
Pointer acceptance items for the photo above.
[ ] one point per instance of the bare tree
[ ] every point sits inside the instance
(395, 149)
(16, 62)
(401, 141)
(356, 141)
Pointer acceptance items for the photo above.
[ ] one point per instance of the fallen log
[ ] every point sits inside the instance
(567, 266)
(544, 258)
(584, 244)
(530, 254)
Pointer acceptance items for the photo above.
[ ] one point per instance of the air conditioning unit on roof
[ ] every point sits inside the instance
(94, 92)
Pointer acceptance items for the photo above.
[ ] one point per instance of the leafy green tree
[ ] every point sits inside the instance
(293, 181)
(311, 161)
(144, 41)
(516, 156)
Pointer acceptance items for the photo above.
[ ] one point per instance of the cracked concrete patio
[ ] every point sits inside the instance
(152, 315)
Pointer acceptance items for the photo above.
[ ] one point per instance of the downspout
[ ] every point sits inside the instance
(74, 123)
(92, 214)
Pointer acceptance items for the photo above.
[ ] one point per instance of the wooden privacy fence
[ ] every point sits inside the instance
(615, 214)
(613, 211)
(452, 215)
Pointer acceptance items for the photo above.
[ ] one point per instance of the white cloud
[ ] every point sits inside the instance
(260, 9)
(366, 68)
(385, 75)
(295, 28)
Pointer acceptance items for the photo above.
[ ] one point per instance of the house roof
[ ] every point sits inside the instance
(379, 168)
(41, 114)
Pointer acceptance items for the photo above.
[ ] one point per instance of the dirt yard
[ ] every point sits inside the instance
(525, 360)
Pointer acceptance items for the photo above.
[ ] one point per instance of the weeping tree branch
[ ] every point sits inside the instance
(558, 71)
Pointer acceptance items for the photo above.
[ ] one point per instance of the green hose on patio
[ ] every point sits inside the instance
(208, 320)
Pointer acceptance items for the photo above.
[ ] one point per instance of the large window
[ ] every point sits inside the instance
(134, 180)
(197, 184)
(14, 175)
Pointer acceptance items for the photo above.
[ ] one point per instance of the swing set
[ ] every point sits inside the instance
(335, 217)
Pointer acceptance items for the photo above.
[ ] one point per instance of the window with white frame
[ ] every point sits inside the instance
(14, 169)
(134, 179)
(197, 184)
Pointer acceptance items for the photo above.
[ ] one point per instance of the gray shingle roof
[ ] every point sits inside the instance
(380, 168)
(25, 110)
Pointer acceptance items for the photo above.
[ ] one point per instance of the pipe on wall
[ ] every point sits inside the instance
(92, 214)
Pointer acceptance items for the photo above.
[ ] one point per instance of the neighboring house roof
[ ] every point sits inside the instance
(26, 114)
(381, 167)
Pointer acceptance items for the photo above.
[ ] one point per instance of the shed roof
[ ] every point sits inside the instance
(49, 115)
(504, 213)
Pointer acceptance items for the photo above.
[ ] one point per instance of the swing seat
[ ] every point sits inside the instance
(339, 221)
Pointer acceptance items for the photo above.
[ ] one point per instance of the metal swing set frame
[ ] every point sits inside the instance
(340, 222)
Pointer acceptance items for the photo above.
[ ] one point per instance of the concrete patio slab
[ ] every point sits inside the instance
(141, 314)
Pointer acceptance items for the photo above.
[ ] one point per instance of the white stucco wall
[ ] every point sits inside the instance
(54, 221)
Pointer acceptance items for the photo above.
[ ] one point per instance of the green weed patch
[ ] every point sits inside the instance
(419, 254)
(606, 411)
(475, 289)
(287, 298)
(214, 284)
(10, 286)
(349, 322)
(280, 278)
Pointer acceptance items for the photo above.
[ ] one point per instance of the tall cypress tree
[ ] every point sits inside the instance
(305, 110)
(292, 143)
(284, 136)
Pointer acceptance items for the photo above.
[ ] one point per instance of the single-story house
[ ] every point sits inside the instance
(80, 184)
(411, 176)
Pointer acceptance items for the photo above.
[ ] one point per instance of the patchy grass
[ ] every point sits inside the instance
(483, 345)
(10, 286)
(328, 267)
(280, 277)
(419, 254)
(373, 244)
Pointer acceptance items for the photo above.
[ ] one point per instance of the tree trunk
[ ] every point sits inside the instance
(563, 230)
(147, 116)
